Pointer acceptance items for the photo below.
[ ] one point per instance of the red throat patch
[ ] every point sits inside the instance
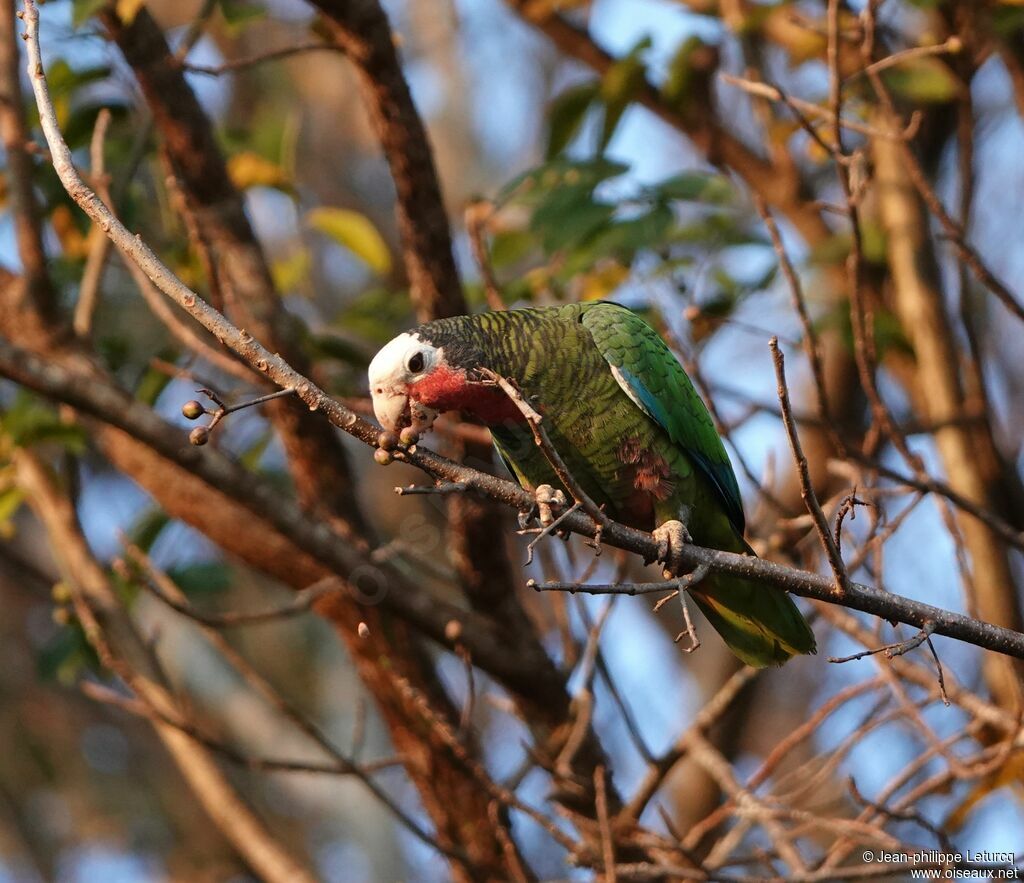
(449, 389)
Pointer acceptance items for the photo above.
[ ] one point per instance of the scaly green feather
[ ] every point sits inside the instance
(616, 400)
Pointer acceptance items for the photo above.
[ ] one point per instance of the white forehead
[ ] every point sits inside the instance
(389, 365)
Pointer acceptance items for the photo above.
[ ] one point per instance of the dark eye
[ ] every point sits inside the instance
(415, 364)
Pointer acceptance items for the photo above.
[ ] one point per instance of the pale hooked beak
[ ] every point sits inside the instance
(392, 410)
(395, 411)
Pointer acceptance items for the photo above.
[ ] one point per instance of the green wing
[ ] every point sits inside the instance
(652, 377)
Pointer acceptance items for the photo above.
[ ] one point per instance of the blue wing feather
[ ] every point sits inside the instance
(667, 396)
(721, 474)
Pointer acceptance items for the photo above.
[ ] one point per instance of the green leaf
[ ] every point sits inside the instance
(10, 502)
(354, 232)
(832, 250)
(923, 79)
(148, 527)
(206, 578)
(566, 115)
(251, 456)
(66, 655)
(334, 346)
(150, 385)
(29, 422)
(83, 10)
(889, 335)
(718, 230)
(81, 121)
(708, 187)
(510, 246)
(569, 217)
(535, 185)
(645, 231)
(375, 315)
(619, 86)
(679, 77)
(63, 79)
(239, 13)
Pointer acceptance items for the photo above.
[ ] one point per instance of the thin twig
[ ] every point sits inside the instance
(303, 602)
(898, 648)
(604, 825)
(138, 707)
(98, 242)
(951, 46)
(803, 471)
(810, 338)
(549, 529)
(542, 440)
(441, 488)
(20, 365)
(477, 214)
(808, 108)
(239, 64)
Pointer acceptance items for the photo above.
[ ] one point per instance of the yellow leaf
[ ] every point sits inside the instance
(603, 280)
(128, 9)
(355, 232)
(291, 271)
(802, 42)
(73, 242)
(248, 169)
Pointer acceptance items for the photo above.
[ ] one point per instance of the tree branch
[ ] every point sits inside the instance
(361, 28)
(857, 597)
(113, 634)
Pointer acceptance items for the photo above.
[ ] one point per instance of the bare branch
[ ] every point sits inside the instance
(835, 559)
(239, 64)
(36, 375)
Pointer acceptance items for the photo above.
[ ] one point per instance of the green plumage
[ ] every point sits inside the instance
(633, 431)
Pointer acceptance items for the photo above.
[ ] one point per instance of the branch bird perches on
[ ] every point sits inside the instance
(33, 374)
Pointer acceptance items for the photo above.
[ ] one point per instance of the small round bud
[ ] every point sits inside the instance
(383, 457)
(387, 440)
(453, 630)
(193, 410)
(199, 436)
(363, 630)
(409, 436)
(60, 593)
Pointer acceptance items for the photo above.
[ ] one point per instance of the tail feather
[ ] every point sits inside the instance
(760, 624)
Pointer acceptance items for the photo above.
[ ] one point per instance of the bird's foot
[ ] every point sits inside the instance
(671, 537)
(546, 500)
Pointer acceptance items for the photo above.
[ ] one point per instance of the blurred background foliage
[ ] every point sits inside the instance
(586, 195)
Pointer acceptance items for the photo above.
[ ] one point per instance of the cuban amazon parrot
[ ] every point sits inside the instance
(624, 417)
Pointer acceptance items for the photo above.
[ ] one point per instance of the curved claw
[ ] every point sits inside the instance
(671, 537)
(546, 500)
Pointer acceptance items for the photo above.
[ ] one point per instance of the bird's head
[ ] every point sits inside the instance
(417, 375)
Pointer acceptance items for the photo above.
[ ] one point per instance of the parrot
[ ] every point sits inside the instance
(625, 419)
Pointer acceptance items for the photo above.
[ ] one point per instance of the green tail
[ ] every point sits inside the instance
(761, 625)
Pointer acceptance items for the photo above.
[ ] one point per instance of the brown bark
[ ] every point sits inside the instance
(111, 631)
(361, 27)
(32, 304)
